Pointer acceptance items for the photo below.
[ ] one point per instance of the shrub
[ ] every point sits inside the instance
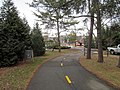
(38, 43)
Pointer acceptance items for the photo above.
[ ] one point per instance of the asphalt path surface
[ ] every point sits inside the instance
(52, 76)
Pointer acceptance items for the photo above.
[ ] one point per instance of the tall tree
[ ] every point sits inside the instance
(102, 9)
(52, 15)
(105, 9)
(91, 11)
(13, 34)
(38, 43)
(99, 37)
(9, 44)
(80, 6)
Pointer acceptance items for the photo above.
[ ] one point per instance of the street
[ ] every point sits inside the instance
(65, 73)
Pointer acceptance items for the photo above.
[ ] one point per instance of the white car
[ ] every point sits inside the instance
(114, 50)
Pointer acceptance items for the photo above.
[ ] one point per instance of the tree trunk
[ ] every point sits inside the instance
(118, 62)
(100, 51)
(90, 36)
(91, 30)
(58, 35)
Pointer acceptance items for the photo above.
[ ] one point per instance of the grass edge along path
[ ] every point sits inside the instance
(18, 77)
(106, 71)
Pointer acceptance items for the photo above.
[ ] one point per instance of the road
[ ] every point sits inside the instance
(65, 73)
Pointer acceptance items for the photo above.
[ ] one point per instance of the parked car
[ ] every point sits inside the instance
(114, 50)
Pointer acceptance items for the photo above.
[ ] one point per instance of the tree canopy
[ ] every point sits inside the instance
(52, 14)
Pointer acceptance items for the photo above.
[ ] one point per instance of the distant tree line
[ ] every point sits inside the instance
(15, 35)
(111, 35)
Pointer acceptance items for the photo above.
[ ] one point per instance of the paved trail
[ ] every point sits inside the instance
(52, 76)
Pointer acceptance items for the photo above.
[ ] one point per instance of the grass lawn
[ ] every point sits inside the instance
(107, 70)
(17, 77)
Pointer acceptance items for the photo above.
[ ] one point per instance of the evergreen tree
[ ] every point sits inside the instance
(27, 38)
(38, 43)
(13, 34)
(23, 37)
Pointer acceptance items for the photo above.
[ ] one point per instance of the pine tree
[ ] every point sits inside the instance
(27, 38)
(53, 15)
(23, 37)
(13, 35)
(38, 43)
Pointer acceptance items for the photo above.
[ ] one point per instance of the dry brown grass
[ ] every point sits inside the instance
(107, 70)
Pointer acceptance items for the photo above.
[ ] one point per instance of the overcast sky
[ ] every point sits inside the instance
(24, 10)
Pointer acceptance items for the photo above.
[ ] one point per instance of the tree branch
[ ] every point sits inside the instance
(81, 16)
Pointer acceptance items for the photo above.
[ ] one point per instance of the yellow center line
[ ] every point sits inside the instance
(68, 79)
(61, 64)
